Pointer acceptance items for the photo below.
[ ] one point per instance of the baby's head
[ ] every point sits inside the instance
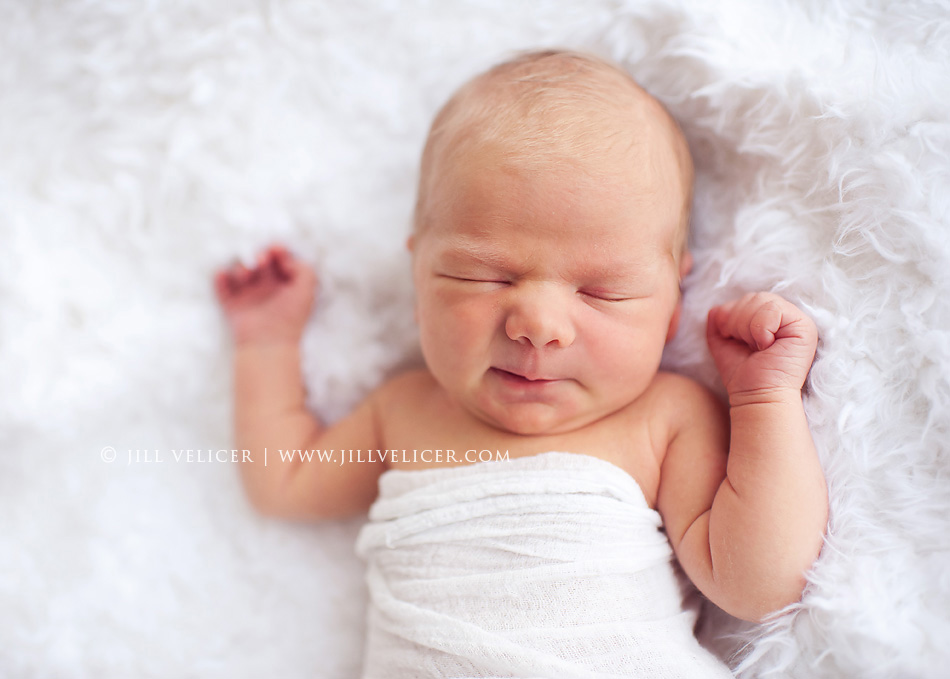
(552, 110)
(549, 241)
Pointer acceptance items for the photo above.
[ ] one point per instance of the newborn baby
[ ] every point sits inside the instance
(548, 250)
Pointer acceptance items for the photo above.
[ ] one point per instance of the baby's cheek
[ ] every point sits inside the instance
(455, 315)
(621, 351)
(451, 330)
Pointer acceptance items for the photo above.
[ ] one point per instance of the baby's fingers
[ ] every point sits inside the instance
(730, 321)
(291, 269)
(753, 319)
(761, 318)
(284, 265)
(237, 281)
(229, 281)
(272, 264)
(222, 286)
(765, 321)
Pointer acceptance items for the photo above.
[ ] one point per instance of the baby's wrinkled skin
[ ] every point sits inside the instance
(544, 299)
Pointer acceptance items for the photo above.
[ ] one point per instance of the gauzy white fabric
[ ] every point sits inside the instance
(546, 566)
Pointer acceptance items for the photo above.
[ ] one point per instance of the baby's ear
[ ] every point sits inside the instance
(411, 242)
(686, 264)
(674, 321)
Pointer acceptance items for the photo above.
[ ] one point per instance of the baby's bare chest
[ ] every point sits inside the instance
(421, 434)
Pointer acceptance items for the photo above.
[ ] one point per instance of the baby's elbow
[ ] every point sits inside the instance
(271, 503)
(287, 507)
(266, 505)
(759, 612)
(766, 603)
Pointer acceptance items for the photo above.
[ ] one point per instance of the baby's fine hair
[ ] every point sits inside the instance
(544, 109)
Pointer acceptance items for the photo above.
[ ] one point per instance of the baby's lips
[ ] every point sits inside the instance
(530, 375)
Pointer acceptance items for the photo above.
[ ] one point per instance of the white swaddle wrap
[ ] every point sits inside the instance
(546, 566)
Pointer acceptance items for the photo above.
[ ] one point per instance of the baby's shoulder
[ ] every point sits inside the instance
(679, 401)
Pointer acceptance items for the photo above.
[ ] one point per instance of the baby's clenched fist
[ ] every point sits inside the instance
(763, 346)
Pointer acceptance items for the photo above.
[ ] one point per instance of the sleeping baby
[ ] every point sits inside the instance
(548, 251)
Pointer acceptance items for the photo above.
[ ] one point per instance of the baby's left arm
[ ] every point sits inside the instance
(763, 524)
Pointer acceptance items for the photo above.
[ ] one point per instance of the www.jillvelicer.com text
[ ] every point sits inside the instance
(278, 455)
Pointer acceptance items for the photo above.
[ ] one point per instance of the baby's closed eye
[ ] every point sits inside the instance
(606, 295)
(474, 279)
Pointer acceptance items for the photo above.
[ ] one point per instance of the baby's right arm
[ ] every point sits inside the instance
(267, 308)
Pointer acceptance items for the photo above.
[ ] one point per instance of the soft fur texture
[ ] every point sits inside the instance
(144, 144)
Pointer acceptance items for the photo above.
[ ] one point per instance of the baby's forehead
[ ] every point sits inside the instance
(479, 204)
(559, 109)
(546, 109)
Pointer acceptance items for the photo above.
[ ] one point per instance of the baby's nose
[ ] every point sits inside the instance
(540, 315)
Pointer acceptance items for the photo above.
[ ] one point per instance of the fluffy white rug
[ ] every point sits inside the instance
(144, 144)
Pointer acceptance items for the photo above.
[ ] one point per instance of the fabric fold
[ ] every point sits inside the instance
(552, 565)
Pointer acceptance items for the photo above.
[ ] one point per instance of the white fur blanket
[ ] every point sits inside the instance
(552, 565)
(143, 144)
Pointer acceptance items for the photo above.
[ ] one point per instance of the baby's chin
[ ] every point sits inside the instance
(534, 419)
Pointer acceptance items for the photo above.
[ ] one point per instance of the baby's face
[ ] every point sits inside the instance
(544, 299)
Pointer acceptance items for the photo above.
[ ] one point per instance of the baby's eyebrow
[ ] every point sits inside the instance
(482, 254)
(612, 266)
(615, 272)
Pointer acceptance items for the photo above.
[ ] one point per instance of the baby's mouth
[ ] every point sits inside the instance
(518, 378)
